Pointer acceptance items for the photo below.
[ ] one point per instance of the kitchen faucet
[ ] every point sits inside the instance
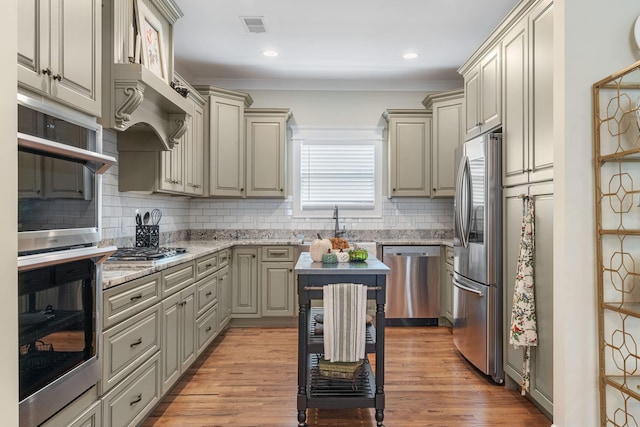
(337, 232)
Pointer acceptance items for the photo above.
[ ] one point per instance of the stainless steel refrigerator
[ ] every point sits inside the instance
(477, 276)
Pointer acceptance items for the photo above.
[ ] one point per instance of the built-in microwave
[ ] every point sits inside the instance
(60, 163)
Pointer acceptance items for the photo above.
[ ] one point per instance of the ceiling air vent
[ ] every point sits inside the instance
(254, 24)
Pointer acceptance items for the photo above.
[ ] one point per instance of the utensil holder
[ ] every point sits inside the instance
(147, 236)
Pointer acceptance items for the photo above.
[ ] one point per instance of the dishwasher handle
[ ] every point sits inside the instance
(422, 251)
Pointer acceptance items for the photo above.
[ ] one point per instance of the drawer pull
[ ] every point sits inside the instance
(208, 329)
(223, 259)
(278, 253)
(137, 399)
(135, 343)
(135, 297)
(208, 294)
(208, 265)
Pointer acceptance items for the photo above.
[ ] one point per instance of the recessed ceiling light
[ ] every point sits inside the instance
(270, 53)
(410, 55)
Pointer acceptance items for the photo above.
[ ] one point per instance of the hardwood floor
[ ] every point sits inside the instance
(248, 377)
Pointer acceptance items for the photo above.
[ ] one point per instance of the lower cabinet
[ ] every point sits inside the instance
(207, 328)
(446, 291)
(224, 297)
(245, 282)
(85, 411)
(541, 363)
(178, 335)
(276, 285)
(128, 403)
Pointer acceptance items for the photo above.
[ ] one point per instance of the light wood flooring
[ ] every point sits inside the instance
(248, 377)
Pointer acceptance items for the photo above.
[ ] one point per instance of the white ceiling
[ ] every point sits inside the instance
(332, 44)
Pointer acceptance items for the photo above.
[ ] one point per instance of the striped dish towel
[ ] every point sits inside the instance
(345, 311)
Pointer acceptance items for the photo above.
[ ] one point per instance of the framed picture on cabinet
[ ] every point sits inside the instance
(153, 53)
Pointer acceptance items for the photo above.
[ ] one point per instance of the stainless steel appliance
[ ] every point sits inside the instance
(60, 163)
(413, 286)
(477, 276)
(59, 300)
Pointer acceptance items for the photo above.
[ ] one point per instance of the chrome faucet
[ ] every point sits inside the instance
(337, 232)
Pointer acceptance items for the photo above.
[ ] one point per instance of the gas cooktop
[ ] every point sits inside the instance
(145, 254)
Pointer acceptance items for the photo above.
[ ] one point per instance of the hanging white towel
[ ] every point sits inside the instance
(523, 331)
(345, 310)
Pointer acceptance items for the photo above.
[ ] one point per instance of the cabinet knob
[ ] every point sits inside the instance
(47, 71)
(291, 270)
(434, 190)
(241, 190)
(253, 256)
(281, 190)
(58, 77)
(393, 189)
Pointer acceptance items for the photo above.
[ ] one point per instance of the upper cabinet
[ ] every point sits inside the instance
(447, 134)
(59, 51)
(266, 137)
(527, 51)
(482, 94)
(176, 171)
(409, 153)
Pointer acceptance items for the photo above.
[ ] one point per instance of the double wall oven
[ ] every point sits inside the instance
(60, 163)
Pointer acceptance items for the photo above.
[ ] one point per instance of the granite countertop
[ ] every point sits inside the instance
(117, 272)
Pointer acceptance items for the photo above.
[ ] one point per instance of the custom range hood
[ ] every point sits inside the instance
(138, 100)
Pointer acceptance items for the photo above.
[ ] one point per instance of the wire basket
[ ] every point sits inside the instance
(147, 236)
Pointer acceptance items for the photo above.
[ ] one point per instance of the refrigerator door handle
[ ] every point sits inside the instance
(465, 201)
(464, 288)
(459, 226)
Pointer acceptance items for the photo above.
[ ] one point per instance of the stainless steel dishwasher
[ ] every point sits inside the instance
(413, 287)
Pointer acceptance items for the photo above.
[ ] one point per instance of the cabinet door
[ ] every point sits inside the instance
(194, 153)
(226, 169)
(410, 156)
(472, 102)
(172, 166)
(490, 100)
(76, 40)
(277, 288)
(245, 282)
(170, 341)
(447, 135)
(541, 385)
(33, 44)
(265, 156)
(188, 328)
(224, 292)
(541, 105)
(516, 100)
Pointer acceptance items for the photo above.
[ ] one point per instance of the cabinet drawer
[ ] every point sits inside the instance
(277, 253)
(207, 293)
(177, 278)
(449, 255)
(223, 258)
(123, 301)
(129, 402)
(206, 265)
(128, 344)
(207, 328)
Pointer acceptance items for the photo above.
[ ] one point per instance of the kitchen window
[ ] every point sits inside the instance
(337, 167)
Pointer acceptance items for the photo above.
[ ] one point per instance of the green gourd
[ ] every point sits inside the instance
(329, 258)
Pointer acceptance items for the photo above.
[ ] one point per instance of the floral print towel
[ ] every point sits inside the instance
(523, 331)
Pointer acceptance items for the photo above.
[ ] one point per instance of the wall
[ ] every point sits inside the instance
(593, 39)
(9, 219)
(310, 109)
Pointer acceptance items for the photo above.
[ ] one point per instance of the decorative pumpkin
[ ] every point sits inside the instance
(342, 256)
(319, 247)
(358, 255)
(329, 258)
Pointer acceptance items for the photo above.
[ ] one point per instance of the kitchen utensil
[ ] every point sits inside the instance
(145, 218)
(156, 214)
(138, 218)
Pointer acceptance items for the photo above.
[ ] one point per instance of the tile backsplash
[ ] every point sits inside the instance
(240, 216)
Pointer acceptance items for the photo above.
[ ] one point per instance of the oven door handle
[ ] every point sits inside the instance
(31, 262)
(40, 144)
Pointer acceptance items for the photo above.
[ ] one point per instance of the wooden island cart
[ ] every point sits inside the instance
(367, 389)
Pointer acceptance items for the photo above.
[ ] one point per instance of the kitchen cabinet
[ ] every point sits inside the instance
(122, 302)
(527, 87)
(207, 328)
(225, 297)
(224, 137)
(176, 171)
(266, 136)
(409, 153)
(85, 411)
(276, 281)
(447, 134)
(245, 282)
(541, 383)
(482, 94)
(178, 335)
(59, 51)
(446, 292)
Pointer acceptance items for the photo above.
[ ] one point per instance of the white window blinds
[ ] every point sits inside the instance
(337, 172)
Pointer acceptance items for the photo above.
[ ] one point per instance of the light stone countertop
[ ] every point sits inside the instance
(117, 272)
